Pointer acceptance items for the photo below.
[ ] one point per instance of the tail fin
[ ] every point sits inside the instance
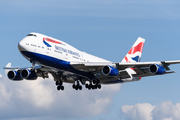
(134, 54)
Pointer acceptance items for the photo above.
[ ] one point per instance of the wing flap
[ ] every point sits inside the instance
(124, 74)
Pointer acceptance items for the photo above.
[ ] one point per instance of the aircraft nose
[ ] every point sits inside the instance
(21, 45)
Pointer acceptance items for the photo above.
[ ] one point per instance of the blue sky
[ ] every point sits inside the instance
(105, 28)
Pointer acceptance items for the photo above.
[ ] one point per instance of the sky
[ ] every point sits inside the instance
(107, 29)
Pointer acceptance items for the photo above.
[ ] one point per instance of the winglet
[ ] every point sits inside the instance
(134, 54)
(8, 65)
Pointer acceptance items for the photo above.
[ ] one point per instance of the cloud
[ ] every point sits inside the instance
(39, 100)
(138, 111)
(145, 111)
(166, 110)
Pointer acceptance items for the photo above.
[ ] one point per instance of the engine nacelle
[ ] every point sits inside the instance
(157, 69)
(28, 74)
(14, 75)
(109, 70)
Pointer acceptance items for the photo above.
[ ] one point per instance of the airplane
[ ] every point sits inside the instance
(69, 65)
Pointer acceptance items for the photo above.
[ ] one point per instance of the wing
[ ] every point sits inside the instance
(32, 73)
(140, 69)
(29, 73)
(143, 69)
(106, 72)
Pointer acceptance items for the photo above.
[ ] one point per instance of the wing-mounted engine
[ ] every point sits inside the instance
(157, 69)
(109, 70)
(28, 74)
(14, 75)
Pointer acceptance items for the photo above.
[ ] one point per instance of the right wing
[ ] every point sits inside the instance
(141, 69)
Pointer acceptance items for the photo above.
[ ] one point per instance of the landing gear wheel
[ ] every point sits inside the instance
(73, 86)
(62, 87)
(80, 87)
(76, 87)
(58, 88)
(95, 86)
(87, 86)
(99, 86)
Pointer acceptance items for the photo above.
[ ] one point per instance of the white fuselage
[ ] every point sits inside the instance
(61, 51)
(52, 53)
(58, 55)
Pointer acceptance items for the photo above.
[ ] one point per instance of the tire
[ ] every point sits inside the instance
(99, 86)
(57, 83)
(80, 87)
(62, 87)
(58, 88)
(87, 85)
(73, 86)
(76, 87)
(95, 87)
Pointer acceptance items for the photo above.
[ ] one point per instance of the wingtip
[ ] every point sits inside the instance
(8, 65)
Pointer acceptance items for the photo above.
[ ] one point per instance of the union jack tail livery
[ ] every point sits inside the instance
(134, 54)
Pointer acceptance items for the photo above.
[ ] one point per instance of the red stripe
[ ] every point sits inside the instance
(51, 40)
(138, 48)
(126, 59)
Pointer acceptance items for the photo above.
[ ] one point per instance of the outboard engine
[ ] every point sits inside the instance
(28, 74)
(14, 75)
(109, 70)
(157, 69)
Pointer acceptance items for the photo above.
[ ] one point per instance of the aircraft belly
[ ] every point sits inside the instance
(46, 60)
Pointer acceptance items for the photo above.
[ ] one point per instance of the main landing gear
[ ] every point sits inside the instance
(96, 84)
(59, 85)
(77, 86)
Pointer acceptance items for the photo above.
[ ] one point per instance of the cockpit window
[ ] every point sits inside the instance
(32, 35)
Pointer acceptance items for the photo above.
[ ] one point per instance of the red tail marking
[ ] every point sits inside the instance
(126, 59)
(138, 48)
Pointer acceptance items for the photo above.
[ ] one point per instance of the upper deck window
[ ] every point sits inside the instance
(32, 35)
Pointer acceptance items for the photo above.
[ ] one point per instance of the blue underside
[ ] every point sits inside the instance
(55, 63)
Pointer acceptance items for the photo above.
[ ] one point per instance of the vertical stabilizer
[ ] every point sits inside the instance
(134, 54)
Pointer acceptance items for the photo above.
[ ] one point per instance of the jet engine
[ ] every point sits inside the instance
(28, 74)
(109, 70)
(14, 75)
(157, 69)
